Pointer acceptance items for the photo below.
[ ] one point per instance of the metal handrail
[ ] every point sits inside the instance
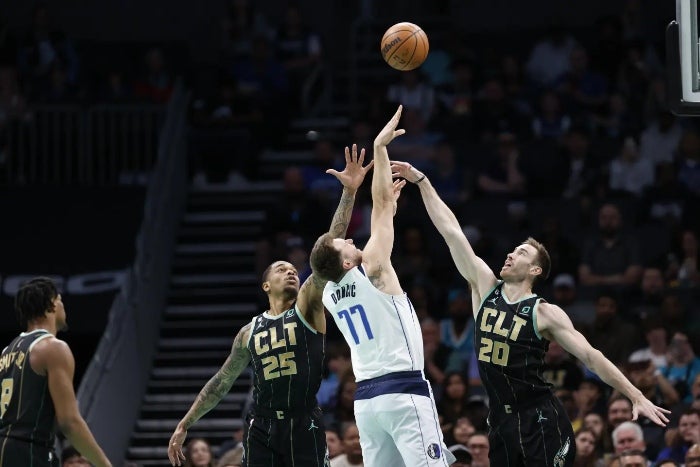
(104, 144)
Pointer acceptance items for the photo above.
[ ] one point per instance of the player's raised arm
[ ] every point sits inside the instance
(352, 176)
(554, 324)
(212, 393)
(473, 268)
(377, 252)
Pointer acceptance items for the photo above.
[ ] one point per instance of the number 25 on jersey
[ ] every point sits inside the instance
(353, 314)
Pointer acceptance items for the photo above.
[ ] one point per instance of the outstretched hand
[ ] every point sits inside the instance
(175, 454)
(389, 132)
(354, 173)
(396, 189)
(405, 171)
(654, 413)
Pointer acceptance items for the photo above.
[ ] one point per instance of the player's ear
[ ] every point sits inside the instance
(266, 286)
(536, 270)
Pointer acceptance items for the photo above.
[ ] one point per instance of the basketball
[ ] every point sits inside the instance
(404, 46)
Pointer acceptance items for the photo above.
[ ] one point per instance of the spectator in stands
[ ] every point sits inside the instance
(616, 121)
(462, 430)
(659, 140)
(495, 114)
(235, 441)
(550, 57)
(435, 353)
(455, 104)
(562, 251)
(57, 89)
(683, 366)
(550, 122)
(560, 370)
(414, 94)
(352, 456)
(345, 397)
(692, 457)
(156, 83)
(586, 455)
(652, 290)
(457, 332)
(564, 293)
(657, 339)
(628, 435)
(414, 261)
(198, 453)
(478, 446)
(632, 458)
(448, 178)
(334, 443)
(502, 175)
(579, 173)
(590, 397)
(417, 146)
(298, 48)
(610, 333)
(114, 89)
(610, 258)
(689, 162)
(338, 363)
(695, 392)
(597, 424)
(239, 28)
(70, 457)
(667, 200)
(629, 173)
(582, 90)
(684, 262)
(452, 404)
(619, 411)
(688, 434)
(44, 47)
(512, 75)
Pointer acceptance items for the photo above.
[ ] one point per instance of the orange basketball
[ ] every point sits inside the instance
(404, 46)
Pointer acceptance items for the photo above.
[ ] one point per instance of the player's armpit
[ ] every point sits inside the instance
(310, 304)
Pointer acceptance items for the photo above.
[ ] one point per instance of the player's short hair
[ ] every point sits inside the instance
(543, 260)
(34, 298)
(325, 259)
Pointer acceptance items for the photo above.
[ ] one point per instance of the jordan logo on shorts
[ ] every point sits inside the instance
(540, 418)
(560, 456)
(312, 426)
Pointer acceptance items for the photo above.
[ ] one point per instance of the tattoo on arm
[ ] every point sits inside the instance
(220, 384)
(341, 218)
(375, 277)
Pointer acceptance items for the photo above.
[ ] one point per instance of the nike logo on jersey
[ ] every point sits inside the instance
(540, 418)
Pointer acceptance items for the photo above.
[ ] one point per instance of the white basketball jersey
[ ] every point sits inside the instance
(382, 330)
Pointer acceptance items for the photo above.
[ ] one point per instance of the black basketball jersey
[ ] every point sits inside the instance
(287, 359)
(26, 408)
(510, 351)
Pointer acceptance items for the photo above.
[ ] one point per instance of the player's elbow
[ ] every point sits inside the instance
(69, 423)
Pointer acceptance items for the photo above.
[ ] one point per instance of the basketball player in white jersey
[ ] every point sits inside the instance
(394, 408)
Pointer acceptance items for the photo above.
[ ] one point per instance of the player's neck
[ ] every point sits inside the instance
(515, 291)
(280, 305)
(45, 324)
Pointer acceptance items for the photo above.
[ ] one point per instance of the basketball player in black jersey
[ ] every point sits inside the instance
(528, 425)
(36, 385)
(285, 346)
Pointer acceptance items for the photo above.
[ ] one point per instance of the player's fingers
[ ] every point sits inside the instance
(347, 155)
(397, 115)
(361, 160)
(333, 172)
(353, 153)
(395, 174)
(369, 166)
(399, 132)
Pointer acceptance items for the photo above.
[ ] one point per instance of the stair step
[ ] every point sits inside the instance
(166, 410)
(228, 292)
(214, 231)
(222, 325)
(245, 188)
(168, 386)
(182, 343)
(285, 157)
(218, 217)
(209, 263)
(215, 248)
(223, 309)
(186, 372)
(208, 279)
(202, 424)
(189, 398)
